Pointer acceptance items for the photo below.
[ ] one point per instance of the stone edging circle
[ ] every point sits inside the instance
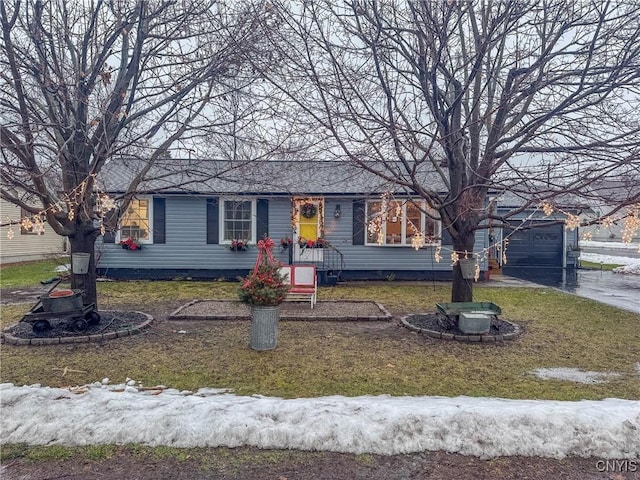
(465, 338)
(95, 338)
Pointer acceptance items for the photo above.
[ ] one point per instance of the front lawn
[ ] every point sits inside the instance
(30, 273)
(597, 266)
(317, 358)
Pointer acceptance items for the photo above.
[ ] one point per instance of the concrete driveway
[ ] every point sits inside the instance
(618, 290)
(622, 291)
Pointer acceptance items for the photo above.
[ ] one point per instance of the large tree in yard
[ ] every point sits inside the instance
(452, 101)
(85, 83)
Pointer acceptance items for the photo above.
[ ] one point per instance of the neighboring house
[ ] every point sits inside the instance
(190, 231)
(611, 191)
(26, 244)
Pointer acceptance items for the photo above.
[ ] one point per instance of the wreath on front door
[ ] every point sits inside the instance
(308, 210)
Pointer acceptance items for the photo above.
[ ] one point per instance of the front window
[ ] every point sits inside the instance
(27, 225)
(238, 220)
(136, 222)
(401, 222)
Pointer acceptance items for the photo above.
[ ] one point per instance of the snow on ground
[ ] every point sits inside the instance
(574, 375)
(611, 259)
(633, 269)
(484, 427)
(629, 264)
(610, 245)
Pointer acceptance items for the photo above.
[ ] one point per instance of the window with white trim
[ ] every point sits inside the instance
(238, 220)
(400, 222)
(26, 225)
(136, 221)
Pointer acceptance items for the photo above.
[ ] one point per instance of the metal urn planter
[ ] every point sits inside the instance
(264, 289)
(264, 327)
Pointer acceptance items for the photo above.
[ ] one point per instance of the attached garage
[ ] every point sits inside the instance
(541, 246)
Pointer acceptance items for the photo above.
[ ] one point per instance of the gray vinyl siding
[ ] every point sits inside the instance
(280, 225)
(186, 242)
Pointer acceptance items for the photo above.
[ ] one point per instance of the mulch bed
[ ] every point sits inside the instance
(113, 324)
(343, 310)
(433, 321)
(109, 322)
(437, 326)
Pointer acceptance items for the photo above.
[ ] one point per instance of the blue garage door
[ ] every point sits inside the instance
(535, 247)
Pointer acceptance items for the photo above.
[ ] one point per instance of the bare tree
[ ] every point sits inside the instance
(85, 83)
(452, 100)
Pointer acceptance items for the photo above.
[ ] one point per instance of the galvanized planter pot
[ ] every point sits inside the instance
(474, 323)
(264, 327)
(468, 268)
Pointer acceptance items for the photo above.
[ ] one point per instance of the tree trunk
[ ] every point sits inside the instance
(83, 242)
(461, 288)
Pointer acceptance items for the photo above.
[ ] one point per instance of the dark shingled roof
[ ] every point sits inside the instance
(509, 200)
(264, 177)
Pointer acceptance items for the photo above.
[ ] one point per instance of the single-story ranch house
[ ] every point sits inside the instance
(197, 224)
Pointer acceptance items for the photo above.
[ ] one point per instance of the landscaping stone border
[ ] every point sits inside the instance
(94, 338)
(486, 338)
(343, 310)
